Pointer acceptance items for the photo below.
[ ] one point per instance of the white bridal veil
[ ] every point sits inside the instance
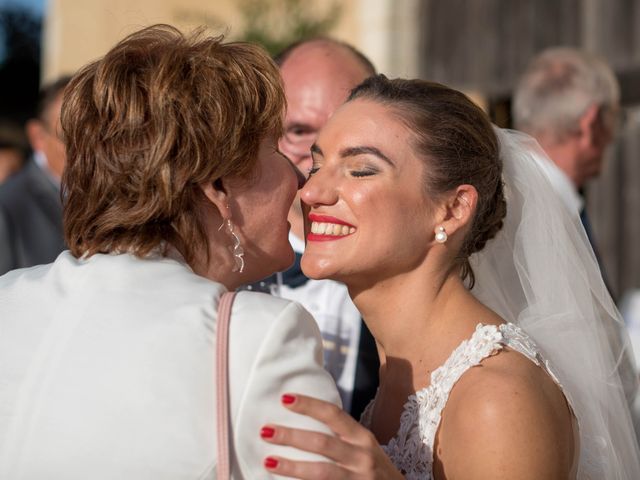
(540, 273)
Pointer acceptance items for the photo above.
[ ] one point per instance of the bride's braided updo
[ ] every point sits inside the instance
(457, 140)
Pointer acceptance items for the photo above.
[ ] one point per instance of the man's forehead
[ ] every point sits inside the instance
(329, 61)
(318, 85)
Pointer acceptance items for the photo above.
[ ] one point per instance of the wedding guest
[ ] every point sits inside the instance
(481, 291)
(568, 100)
(174, 192)
(30, 206)
(318, 75)
(13, 149)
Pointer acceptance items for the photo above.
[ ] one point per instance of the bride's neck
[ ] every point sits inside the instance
(407, 313)
(403, 304)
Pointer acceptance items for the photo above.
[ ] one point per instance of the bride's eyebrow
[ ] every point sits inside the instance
(366, 150)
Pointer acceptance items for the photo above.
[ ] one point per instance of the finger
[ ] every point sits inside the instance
(341, 423)
(305, 470)
(328, 446)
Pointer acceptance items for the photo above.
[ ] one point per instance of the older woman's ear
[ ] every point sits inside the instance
(215, 193)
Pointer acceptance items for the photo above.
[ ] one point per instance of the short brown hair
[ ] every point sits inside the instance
(457, 140)
(158, 115)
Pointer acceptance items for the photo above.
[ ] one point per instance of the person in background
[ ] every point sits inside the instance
(174, 193)
(569, 100)
(13, 149)
(30, 207)
(318, 75)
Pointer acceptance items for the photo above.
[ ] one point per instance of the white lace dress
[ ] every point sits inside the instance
(411, 450)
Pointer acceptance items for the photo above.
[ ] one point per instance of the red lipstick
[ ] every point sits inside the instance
(317, 237)
(314, 217)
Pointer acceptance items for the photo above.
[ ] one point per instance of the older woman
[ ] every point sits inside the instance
(174, 193)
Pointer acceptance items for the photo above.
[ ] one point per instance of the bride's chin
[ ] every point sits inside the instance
(317, 269)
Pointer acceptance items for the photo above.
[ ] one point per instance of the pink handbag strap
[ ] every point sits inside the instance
(222, 384)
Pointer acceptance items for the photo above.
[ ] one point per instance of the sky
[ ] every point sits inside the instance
(35, 5)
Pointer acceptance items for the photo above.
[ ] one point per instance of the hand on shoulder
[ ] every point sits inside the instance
(505, 419)
(352, 449)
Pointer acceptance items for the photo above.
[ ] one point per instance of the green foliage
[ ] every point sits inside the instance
(277, 23)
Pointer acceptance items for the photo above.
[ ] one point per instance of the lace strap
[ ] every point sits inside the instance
(486, 340)
(516, 339)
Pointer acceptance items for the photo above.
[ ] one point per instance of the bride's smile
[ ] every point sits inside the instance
(325, 228)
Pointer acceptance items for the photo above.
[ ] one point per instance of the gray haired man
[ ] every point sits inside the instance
(569, 100)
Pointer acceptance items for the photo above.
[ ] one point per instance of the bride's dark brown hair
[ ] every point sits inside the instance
(457, 141)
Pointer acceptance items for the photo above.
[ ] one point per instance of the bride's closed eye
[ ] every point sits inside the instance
(364, 172)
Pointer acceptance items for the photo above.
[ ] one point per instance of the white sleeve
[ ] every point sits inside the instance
(288, 359)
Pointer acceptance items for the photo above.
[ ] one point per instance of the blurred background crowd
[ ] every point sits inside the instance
(479, 46)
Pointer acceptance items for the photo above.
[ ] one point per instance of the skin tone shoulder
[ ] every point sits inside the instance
(506, 419)
(373, 227)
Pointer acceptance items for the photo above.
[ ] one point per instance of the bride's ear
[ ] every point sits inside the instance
(216, 194)
(459, 208)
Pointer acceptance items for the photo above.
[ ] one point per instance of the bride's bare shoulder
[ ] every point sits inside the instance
(505, 418)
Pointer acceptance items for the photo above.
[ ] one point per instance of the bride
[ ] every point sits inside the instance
(502, 355)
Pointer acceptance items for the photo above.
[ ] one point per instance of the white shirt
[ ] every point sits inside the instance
(339, 321)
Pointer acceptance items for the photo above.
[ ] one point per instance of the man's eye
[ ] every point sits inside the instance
(313, 170)
(300, 131)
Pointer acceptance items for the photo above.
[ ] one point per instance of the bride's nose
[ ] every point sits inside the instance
(319, 190)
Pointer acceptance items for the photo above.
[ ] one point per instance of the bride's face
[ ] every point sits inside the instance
(369, 214)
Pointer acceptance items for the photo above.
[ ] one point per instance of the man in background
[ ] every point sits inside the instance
(318, 75)
(569, 101)
(13, 149)
(30, 207)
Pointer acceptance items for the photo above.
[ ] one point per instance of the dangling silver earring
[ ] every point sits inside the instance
(236, 249)
(441, 235)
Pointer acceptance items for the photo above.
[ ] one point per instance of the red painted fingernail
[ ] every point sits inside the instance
(288, 399)
(267, 432)
(270, 462)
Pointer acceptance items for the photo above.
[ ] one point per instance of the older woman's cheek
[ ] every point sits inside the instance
(305, 215)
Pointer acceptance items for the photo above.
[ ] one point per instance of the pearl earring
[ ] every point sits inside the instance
(441, 235)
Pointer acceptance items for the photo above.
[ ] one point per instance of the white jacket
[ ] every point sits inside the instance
(106, 371)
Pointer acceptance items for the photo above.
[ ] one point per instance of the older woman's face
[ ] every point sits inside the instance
(370, 217)
(260, 208)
